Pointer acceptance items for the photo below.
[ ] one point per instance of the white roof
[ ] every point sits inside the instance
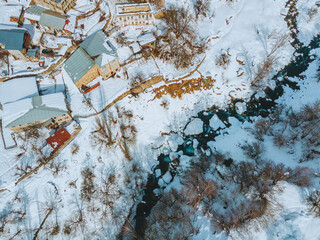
(31, 16)
(124, 53)
(14, 110)
(146, 38)
(18, 88)
(55, 100)
(106, 58)
(63, 50)
(9, 10)
(71, 25)
(8, 139)
(135, 47)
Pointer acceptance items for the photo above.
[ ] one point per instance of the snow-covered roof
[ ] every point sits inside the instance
(98, 43)
(146, 38)
(32, 110)
(135, 47)
(34, 12)
(9, 142)
(70, 24)
(52, 19)
(9, 10)
(124, 53)
(12, 37)
(78, 64)
(104, 59)
(17, 89)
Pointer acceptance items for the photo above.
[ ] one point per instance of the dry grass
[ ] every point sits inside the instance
(184, 87)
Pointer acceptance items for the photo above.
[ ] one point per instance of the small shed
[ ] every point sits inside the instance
(147, 40)
(52, 20)
(59, 138)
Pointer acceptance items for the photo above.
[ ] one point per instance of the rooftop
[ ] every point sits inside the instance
(146, 38)
(12, 37)
(98, 43)
(34, 109)
(52, 19)
(78, 64)
(17, 89)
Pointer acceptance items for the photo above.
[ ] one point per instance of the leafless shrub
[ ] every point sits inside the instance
(88, 188)
(67, 229)
(177, 44)
(202, 7)
(170, 219)
(280, 140)
(57, 166)
(74, 149)
(261, 127)
(312, 12)
(263, 71)
(102, 136)
(178, 20)
(223, 60)
(137, 79)
(198, 189)
(313, 201)
(164, 104)
(253, 150)
(300, 176)
(265, 68)
(55, 230)
(121, 38)
(124, 148)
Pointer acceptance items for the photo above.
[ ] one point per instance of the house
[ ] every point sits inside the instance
(47, 110)
(33, 13)
(134, 14)
(96, 56)
(53, 20)
(15, 40)
(17, 89)
(56, 5)
(147, 40)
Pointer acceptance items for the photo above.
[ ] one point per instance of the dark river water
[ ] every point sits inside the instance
(255, 107)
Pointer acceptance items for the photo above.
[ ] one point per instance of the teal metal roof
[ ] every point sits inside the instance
(98, 43)
(38, 113)
(52, 19)
(35, 10)
(78, 64)
(12, 38)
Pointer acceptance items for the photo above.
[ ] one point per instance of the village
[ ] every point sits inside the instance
(159, 119)
(43, 39)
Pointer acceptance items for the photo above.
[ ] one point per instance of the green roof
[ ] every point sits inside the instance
(38, 113)
(78, 64)
(98, 43)
(52, 19)
(35, 10)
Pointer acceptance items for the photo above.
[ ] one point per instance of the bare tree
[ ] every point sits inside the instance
(202, 7)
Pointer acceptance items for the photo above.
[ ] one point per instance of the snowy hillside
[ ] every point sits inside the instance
(203, 123)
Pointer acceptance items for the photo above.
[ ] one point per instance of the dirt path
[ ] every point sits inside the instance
(141, 88)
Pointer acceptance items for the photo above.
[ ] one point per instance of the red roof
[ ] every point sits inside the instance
(59, 138)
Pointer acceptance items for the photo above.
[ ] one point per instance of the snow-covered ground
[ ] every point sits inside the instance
(246, 30)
